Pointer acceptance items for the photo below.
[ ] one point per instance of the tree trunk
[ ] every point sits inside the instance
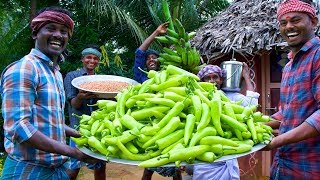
(33, 8)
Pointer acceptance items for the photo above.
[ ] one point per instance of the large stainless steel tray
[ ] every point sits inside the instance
(91, 78)
(97, 155)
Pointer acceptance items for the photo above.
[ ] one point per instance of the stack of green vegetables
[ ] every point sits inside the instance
(172, 117)
(181, 54)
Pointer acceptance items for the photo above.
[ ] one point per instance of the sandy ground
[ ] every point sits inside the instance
(117, 171)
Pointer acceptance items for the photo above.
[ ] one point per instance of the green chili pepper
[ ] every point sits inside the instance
(205, 118)
(83, 118)
(167, 149)
(105, 132)
(126, 136)
(145, 86)
(208, 140)
(163, 76)
(84, 132)
(168, 140)
(215, 111)
(161, 101)
(175, 155)
(175, 70)
(242, 148)
(208, 131)
(105, 104)
(130, 123)
(247, 142)
(150, 130)
(196, 102)
(94, 127)
(233, 122)
(259, 138)
(247, 112)
(175, 111)
(252, 129)
(227, 134)
(110, 126)
(240, 117)
(98, 115)
(113, 149)
(96, 144)
(143, 138)
(85, 126)
(172, 125)
(257, 116)
(131, 156)
(190, 123)
(265, 118)
(169, 83)
(202, 97)
(81, 141)
(148, 112)
(246, 134)
(207, 86)
(130, 146)
(207, 157)
(182, 91)
(132, 100)
(216, 149)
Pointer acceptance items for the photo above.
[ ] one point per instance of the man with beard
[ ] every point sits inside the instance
(147, 58)
(298, 142)
(33, 104)
(77, 104)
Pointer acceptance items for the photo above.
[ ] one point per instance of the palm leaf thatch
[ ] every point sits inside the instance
(247, 27)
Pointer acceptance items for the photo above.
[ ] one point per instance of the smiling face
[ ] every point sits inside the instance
(90, 62)
(152, 62)
(297, 28)
(52, 40)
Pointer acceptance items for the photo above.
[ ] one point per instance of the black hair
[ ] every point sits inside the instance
(54, 8)
(94, 46)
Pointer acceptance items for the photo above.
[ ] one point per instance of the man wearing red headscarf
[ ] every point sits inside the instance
(33, 102)
(298, 142)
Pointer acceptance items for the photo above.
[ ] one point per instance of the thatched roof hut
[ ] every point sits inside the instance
(247, 27)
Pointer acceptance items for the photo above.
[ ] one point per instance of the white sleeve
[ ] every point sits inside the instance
(254, 96)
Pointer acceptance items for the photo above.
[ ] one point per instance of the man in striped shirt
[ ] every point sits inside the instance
(298, 142)
(33, 101)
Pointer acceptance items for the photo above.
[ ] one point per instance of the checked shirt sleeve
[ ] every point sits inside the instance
(18, 93)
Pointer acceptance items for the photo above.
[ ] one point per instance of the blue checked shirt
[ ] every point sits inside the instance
(33, 99)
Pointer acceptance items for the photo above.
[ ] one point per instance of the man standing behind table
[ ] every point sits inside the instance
(228, 169)
(148, 58)
(33, 104)
(298, 143)
(77, 104)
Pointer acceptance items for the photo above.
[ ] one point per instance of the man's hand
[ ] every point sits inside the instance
(162, 29)
(86, 95)
(245, 71)
(85, 158)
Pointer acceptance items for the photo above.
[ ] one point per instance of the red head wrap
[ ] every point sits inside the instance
(295, 6)
(52, 17)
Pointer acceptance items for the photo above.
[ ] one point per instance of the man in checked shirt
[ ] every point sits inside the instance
(298, 142)
(33, 102)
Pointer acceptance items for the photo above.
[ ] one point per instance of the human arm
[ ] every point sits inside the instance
(300, 133)
(162, 28)
(40, 141)
(74, 95)
(246, 77)
(71, 132)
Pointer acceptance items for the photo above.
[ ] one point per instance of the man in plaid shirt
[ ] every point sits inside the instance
(298, 142)
(33, 102)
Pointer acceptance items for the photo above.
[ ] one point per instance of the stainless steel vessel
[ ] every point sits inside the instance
(233, 78)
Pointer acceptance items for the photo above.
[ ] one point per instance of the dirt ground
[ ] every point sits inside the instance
(117, 171)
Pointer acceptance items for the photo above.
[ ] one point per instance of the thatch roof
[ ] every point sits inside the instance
(246, 27)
